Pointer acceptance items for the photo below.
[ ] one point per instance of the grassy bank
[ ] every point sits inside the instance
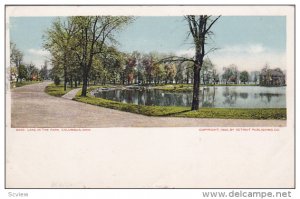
(57, 90)
(189, 87)
(226, 113)
(175, 87)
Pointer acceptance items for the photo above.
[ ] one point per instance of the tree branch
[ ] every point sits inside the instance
(211, 50)
(212, 23)
(176, 59)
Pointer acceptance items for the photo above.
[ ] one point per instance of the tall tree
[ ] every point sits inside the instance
(215, 76)
(200, 29)
(113, 62)
(148, 64)
(207, 71)
(59, 41)
(16, 58)
(227, 74)
(244, 76)
(22, 73)
(179, 73)
(230, 74)
(130, 68)
(44, 72)
(32, 72)
(95, 32)
(170, 71)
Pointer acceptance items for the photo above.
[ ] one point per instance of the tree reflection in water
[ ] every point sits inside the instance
(239, 97)
(230, 96)
(244, 95)
(268, 96)
(208, 96)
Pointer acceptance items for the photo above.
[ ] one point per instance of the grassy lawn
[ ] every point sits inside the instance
(57, 90)
(238, 113)
(23, 83)
(175, 87)
(189, 87)
(226, 113)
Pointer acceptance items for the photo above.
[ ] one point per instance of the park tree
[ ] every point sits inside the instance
(200, 30)
(215, 76)
(230, 74)
(179, 73)
(75, 41)
(207, 71)
(254, 76)
(158, 72)
(141, 73)
(56, 70)
(22, 72)
(188, 72)
(227, 74)
(112, 67)
(148, 64)
(16, 58)
(130, 68)
(44, 72)
(13, 73)
(244, 76)
(139, 69)
(93, 35)
(59, 42)
(32, 71)
(170, 71)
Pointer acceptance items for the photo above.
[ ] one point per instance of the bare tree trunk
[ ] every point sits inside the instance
(84, 80)
(71, 81)
(196, 86)
(84, 86)
(65, 73)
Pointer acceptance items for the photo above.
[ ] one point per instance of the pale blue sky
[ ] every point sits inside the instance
(247, 41)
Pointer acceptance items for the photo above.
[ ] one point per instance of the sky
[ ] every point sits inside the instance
(250, 42)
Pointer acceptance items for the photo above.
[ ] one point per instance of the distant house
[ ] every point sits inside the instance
(272, 77)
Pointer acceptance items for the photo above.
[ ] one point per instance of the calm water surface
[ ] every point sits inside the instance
(219, 97)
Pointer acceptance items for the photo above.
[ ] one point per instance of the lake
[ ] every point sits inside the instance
(218, 96)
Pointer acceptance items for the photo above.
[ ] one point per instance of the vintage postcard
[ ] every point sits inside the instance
(150, 96)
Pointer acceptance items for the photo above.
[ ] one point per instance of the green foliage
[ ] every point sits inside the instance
(244, 77)
(175, 87)
(33, 72)
(81, 47)
(56, 80)
(56, 90)
(16, 56)
(226, 113)
(44, 72)
(23, 74)
(207, 70)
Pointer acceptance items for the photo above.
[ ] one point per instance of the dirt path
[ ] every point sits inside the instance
(70, 95)
(32, 107)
